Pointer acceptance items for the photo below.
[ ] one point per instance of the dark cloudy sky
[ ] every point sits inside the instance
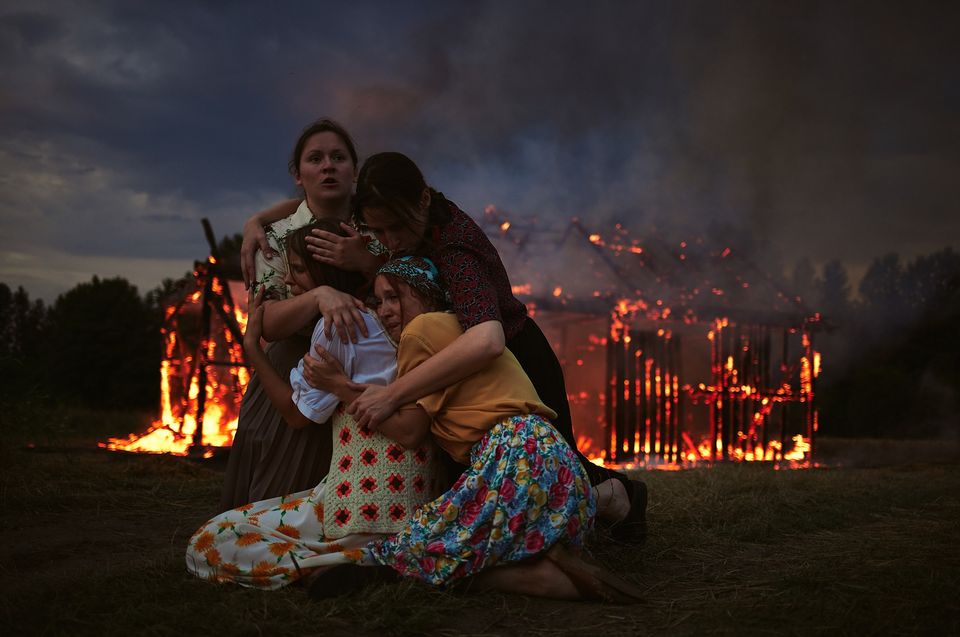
(830, 127)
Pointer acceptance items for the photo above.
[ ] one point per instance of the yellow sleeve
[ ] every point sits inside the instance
(426, 335)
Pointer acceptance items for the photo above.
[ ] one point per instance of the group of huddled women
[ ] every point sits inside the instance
(407, 419)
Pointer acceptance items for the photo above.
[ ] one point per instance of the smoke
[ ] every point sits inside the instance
(779, 118)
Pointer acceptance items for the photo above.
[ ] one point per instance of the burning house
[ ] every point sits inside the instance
(673, 354)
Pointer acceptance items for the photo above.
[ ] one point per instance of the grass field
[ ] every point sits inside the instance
(92, 542)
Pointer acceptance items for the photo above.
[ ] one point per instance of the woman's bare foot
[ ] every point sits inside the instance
(593, 582)
(539, 578)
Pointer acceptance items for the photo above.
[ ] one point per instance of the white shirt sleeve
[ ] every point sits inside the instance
(372, 359)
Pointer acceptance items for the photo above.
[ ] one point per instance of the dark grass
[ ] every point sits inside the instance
(92, 543)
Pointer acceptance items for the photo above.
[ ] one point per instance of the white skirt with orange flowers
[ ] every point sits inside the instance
(375, 485)
(271, 543)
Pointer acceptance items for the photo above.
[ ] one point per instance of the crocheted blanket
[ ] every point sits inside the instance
(374, 483)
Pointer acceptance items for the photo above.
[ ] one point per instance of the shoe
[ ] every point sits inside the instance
(347, 578)
(632, 529)
(593, 582)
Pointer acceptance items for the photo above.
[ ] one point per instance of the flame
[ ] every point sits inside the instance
(801, 447)
(226, 376)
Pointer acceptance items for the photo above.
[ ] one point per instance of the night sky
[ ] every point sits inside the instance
(829, 128)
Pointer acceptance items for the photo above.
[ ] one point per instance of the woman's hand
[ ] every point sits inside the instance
(254, 238)
(343, 311)
(374, 405)
(254, 331)
(324, 371)
(347, 253)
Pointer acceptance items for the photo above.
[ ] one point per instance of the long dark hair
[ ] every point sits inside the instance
(322, 125)
(392, 181)
(324, 273)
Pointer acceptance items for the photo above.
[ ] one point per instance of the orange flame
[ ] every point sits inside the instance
(225, 373)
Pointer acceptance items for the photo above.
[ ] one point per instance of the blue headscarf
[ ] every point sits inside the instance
(421, 274)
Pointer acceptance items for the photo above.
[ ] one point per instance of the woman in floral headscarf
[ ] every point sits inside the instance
(524, 494)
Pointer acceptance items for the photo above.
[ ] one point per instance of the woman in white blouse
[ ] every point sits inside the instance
(373, 483)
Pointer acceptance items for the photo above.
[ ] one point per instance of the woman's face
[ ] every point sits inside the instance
(397, 305)
(325, 172)
(298, 278)
(392, 232)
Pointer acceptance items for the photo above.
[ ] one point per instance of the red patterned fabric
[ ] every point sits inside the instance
(472, 272)
(374, 483)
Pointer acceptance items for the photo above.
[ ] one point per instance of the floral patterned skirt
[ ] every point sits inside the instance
(271, 543)
(524, 491)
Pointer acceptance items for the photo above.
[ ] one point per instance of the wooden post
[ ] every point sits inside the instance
(784, 368)
(811, 396)
(631, 367)
(715, 368)
(679, 401)
(608, 407)
(643, 419)
(207, 301)
(619, 414)
(765, 384)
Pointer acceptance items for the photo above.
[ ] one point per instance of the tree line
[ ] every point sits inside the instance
(98, 345)
(891, 352)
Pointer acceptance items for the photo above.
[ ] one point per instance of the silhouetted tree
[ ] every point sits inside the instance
(834, 291)
(882, 291)
(229, 246)
(905, 377)
(928, 278)
(803, 280)
(7, 325)
(156, 299)
(103, 346)
(21, 322)
(22, 325)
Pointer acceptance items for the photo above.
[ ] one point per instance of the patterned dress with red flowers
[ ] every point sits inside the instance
(524, 489)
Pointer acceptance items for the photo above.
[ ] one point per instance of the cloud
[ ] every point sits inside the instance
(77, 197)
(827, 128)
(46, 273)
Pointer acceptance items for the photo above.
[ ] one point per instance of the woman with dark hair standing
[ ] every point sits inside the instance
(394, 202)
(269, 458)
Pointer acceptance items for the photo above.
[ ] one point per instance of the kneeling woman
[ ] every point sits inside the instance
(524, 490)
(373, 484)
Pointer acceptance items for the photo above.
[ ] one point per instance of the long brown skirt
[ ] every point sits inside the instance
(269, 458)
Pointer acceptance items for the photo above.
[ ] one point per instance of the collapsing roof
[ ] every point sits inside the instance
(575, 267)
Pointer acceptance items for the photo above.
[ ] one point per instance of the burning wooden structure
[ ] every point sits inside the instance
(672, 354)
(203, 372)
